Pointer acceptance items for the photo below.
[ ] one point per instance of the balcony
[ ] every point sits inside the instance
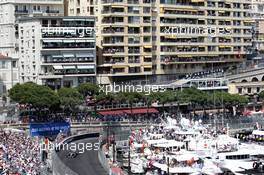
(134, 60)
(133, 50)
(134, 70)
(113, 30)
(114, 11)
(113, 50)
(21, 11)
(171, 59)
(73, 33)
(133, 1)
(115, 61)
(51, 60)
(57, 45)
(111, 1)
(71, 70)
(52, 11)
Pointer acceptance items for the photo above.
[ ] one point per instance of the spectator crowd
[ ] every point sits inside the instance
(19, 154)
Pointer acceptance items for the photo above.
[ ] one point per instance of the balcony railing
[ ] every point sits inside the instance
(183, 60)
(52, 11)
(69, 60)
(113, 61)
(21, 11)
(65, 45)
(113, 51)
(134, 61)
(111, 1)
(70, 72)
(75, 34)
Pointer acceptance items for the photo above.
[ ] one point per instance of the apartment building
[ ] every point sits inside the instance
(10, 12)
(153, 40)
(258, 16)
(81, 7)
(57, 51)
(8, 73)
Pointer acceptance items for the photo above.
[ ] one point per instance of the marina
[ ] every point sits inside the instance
(188, 147)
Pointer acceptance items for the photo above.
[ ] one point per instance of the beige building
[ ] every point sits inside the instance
(158, 40)
(246, 88)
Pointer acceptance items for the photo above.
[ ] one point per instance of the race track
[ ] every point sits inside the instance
(86, 163)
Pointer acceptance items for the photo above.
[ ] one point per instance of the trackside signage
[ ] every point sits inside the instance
(48, 129)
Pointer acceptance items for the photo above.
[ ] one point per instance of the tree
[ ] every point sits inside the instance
(195, 97)
(88, 89)
(261, 95)
(36, 95)
(69, 98)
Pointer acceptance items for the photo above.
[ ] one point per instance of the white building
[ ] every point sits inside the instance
(12, 10)
(57, 51)
(8, 73)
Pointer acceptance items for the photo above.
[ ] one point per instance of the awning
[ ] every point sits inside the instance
(68, 55)
(249, 21)
(148, 66)
(148, 56)
(141, 111)
(85, 66)
(69, 41)
(117, 6)
(78, 19)
(148, 46)
(84, 41)
(114, 112)
(134, 65)
(129, 111)
(69, 67)
(170, 36)
(57, 56)
(225, 46)
(186, 56)
(88, 54)
(58, 67)
(52, 41)
(119, 66)
(197, 0)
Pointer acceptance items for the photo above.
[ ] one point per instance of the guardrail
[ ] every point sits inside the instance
(84, 125)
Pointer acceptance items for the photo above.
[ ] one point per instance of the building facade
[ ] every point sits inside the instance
(11, 11)
(156, 40)
(8, 74)
(57, 51)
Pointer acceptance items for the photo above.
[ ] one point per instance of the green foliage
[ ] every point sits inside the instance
(69, 97)
(261, 95)
(104, 97)
(88, 89)
(128, 97)
(36, 95)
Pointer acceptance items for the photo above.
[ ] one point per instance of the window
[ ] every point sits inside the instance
(14, 64)
(258, 89)
(3, 64)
